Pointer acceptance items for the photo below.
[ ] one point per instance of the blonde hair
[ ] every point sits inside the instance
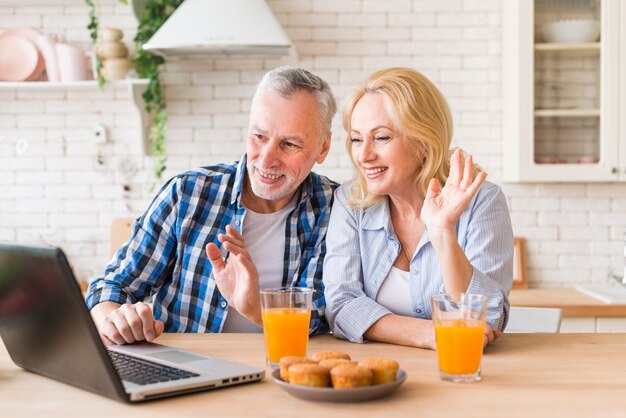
(419, 113)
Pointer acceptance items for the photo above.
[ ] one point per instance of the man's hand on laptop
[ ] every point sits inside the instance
(237, 278)
(127, 323)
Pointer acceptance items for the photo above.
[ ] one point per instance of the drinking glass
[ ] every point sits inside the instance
(459, 320)
(286, 314)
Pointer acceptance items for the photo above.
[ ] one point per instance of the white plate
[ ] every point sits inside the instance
(361, 394)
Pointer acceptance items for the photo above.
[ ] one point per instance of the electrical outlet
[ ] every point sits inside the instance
(100, 134)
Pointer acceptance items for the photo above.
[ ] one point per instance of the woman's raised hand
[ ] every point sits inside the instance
(443, 207)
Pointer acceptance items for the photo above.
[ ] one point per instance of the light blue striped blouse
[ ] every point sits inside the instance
(362, 247)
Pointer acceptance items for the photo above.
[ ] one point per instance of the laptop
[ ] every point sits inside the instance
(47, 329)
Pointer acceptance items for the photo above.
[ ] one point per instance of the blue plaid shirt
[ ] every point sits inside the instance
(165, 254)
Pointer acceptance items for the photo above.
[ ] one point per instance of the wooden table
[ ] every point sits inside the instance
(525, 375)
(573, 303)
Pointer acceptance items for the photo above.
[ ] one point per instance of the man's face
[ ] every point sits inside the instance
(284, 141)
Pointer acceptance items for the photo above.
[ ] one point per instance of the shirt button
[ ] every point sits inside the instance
(418, 311)
(223, 304)
(237, 222)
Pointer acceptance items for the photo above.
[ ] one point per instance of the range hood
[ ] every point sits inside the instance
(220, 28)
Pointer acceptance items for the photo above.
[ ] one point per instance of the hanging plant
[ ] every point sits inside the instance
(153, 14)
(92, 27)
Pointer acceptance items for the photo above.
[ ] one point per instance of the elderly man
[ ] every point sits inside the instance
(213, 236)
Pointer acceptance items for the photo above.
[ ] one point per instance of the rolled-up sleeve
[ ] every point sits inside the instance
(489, 249)
(350, 312)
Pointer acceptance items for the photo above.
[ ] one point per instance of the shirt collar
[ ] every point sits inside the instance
(306, 188)
(240, 176)
(377, 217)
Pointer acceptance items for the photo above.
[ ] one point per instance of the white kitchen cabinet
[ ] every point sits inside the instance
(563, 101)
(582, 312)
(610, 324)
(578, 325)
(591, 324)
(135, 88)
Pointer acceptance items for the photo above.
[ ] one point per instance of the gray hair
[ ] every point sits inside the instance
(286, 80)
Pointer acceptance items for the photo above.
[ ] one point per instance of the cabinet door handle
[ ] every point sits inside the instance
(614, 170)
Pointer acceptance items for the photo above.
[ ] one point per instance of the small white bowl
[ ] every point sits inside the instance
(571, 31)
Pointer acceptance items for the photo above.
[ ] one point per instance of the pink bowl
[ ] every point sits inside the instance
(19, 59)
(31, 35)
(545, 160)
(588, 159)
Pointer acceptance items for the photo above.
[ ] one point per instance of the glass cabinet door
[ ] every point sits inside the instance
(567, 80)
(561, 90)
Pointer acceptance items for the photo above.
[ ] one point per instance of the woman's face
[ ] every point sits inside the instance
(380, 153)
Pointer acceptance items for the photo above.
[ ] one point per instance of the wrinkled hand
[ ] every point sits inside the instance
(237, 278)
(443, 207)
(130, 323)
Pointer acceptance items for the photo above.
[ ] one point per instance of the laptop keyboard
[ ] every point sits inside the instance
(144, 372)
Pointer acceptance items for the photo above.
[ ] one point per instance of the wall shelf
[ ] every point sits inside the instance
(567, 113)
(57, 3)
(588, 46)
(134, 86)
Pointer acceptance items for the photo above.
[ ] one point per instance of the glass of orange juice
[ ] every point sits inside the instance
(459, 320)
(286, 314)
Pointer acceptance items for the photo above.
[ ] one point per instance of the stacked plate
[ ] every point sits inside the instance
(20, 59)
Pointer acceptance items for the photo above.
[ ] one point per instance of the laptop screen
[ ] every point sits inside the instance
(45, 324)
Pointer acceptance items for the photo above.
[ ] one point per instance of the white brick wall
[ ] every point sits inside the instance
(60, 187)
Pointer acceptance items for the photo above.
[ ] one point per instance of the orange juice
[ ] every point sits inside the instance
(459, 345)
(286, 332)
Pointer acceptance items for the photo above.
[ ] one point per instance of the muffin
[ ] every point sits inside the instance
(323, 355)
(288, 361)
(350, 376)
(329, 363)
(304, 374)
(383, 369)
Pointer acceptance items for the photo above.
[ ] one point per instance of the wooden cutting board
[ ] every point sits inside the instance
(119, 233)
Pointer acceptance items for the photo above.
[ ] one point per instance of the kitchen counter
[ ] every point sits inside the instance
(524, 375)
(573, 303)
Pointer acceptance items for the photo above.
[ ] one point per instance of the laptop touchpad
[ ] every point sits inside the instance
(174, 356)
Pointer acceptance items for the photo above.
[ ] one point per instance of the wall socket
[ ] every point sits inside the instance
(100, 134)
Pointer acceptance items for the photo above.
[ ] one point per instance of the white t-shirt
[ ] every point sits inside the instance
(264, 235)
(395, 292)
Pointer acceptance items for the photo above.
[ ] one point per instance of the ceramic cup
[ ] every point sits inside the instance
(111, 34)
(115, 68)
(72, 62)
(108, 50)
(47, 46)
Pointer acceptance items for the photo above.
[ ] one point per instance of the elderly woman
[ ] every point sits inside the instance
(417, 220)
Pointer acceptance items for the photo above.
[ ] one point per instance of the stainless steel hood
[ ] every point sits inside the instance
(221, 28)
